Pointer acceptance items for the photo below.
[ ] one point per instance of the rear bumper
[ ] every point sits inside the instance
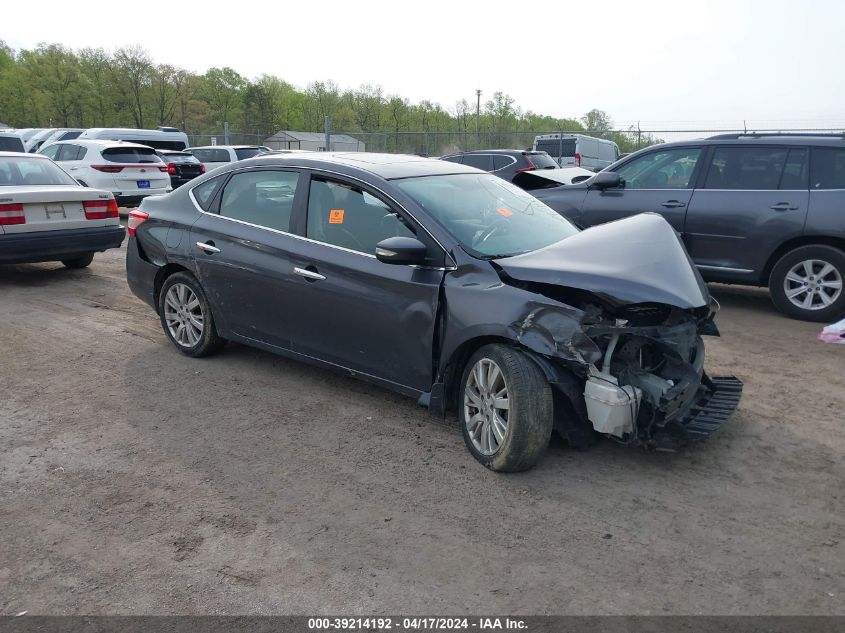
(140, 275)
(133, 199)
(48, 246)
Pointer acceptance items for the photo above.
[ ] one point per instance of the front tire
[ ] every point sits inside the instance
(78, 262)
(186, 316)
(807, 283)
(505, 409)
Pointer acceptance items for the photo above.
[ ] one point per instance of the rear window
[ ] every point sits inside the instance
(541, 160)
(557, 147)
(10, 144)
(179, 158)
(247, 152)
(31, 171)
(131, 155)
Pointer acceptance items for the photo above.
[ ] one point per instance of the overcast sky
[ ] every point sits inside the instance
(667, 64)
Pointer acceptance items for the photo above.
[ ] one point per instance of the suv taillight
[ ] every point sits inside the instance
(12, 214)
(171, 169)
(577, 159)
(108, 169)
(202, 168)
(165, 169)
(100, 209)
(531, 166)
(136, 219)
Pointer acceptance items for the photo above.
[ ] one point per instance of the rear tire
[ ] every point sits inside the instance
(78, 262)
(505, 408)
(186, 316)
(807, 283)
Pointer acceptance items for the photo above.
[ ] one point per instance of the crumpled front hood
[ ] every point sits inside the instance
(635, 260)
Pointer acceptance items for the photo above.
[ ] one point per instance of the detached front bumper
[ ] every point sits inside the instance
(57, 245)
(715, 403)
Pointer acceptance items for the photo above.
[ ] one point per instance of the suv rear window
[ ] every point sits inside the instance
(749, 168)
(828, 168)
(541, 160)
(130, 155)
(247, 152)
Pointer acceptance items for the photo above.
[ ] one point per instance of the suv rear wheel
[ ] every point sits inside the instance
(807, 283)
(505, 409)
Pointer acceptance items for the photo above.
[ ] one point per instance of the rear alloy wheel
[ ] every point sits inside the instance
(186, 316)
(807, 283)
(78, 262)
(505, 409)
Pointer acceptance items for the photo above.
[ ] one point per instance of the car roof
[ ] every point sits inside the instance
(758, 139)
(223, 147)
(98, 143)
(498, 151)
(387, 166)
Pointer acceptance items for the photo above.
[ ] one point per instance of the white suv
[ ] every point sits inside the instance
(130, 171)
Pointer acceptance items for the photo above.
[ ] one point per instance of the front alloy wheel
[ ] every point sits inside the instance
(486, 406)
(505, 408)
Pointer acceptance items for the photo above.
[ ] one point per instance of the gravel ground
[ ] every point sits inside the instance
(136, 480)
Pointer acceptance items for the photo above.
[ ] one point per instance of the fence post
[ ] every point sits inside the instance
(226, 133)
(327, 129)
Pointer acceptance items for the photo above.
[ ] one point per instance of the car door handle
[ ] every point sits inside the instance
(673, 204)
(207, 248)
(313, 275)
(783, 206)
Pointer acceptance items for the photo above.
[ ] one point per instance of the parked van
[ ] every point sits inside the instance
(578, 150)
(163, 138)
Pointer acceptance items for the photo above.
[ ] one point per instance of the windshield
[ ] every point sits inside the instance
(31, 171)
(489, 216)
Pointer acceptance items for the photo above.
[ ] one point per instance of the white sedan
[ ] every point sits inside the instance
(45, 215)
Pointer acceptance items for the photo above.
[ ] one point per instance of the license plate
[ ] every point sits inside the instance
(143, 184)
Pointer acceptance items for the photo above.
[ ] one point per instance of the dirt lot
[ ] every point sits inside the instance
(136, 480)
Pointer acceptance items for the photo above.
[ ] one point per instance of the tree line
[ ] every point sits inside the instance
(54, 86)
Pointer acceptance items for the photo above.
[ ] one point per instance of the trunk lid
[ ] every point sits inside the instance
(53, 207)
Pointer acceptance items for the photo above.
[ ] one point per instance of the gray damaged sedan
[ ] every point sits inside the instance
(447, 285)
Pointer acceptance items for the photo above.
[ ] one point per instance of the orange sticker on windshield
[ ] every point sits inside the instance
(336, 216)
(505, 213)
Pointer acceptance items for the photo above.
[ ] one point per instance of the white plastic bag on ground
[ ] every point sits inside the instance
(834, 333)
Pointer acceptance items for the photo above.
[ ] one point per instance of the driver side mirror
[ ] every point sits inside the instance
(401, 250)
(606, 180)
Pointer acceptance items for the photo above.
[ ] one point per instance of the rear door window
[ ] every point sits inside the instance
(72, 152)
(479, 161)
(263, 198)
(557, 147)
(748, 168)
(828, 168)
(131, 155)
(500, 162)
(204, 193)
(541, 160)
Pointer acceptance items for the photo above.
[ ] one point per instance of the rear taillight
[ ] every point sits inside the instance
(531, 166)
(202, 168)
(12, 214)
(109, 169)
(136, 219)
(577, 159)
(100, 209)
(170, 169)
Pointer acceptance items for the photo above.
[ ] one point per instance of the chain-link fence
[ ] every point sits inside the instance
(438, 143)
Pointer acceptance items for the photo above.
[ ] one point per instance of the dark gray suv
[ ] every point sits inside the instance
(756, 209)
